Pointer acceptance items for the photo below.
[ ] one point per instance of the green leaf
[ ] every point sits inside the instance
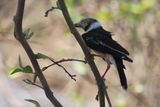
(17, 70)
(20, 61)
(28, 34)
(34, 102)
(27, 31)
(42, 56)
(27, 69)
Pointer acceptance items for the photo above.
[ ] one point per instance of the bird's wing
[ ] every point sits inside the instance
(104, 44)
(102, 32)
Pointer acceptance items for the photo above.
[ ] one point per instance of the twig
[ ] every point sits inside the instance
(49, 10)
(72, 76)
(20, 37)
(32, 83)
(108, 99)
(89, 58)
(62, 60)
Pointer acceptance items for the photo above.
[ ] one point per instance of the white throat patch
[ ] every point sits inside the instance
(93, 26)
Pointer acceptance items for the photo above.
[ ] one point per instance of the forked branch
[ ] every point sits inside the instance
(19, 35)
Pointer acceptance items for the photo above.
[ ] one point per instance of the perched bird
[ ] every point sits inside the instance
(101, 42)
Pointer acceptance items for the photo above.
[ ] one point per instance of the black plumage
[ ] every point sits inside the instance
(101, 41)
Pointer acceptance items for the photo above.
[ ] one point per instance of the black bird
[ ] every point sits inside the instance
(101, 42)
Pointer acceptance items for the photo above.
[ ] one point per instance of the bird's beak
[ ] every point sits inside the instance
(78, 25)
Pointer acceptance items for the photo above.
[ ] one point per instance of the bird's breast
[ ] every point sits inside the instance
(107, 57)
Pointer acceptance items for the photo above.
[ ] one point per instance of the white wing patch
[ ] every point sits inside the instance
(100, 42)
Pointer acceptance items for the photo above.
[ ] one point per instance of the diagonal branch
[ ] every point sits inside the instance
(89, 58)
(32, 83)
(72, 76)
(62, 60)
(20, 37)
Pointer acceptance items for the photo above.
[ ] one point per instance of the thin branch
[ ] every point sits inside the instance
(20, 37)
(62, 60)
(49, 10)
(32, 83)
(108, 99)
(72, 76)
(89, 58)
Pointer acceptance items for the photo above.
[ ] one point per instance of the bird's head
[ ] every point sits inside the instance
(88, 24)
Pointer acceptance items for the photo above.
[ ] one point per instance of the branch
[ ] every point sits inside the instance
(89, 58)
(62, 60)
(49, 10)
(72, 76)
(32, 83)
(20, 37)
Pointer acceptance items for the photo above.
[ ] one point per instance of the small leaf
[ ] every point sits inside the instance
(28, 34)
(42, 56)
(17, 70)
(27, 31)
(34, 102)
(20, 62)
(27, 69)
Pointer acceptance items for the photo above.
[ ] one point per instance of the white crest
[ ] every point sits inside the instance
(93, 26)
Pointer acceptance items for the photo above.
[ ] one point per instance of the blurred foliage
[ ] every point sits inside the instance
(77, 99)
(36, 103)
(138, 87)
(136, 10)
(132, 9)
(105, 15)
(121, 103)
(71, 4)
(80, 68)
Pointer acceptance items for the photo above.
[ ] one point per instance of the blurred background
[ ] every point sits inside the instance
(135, 24)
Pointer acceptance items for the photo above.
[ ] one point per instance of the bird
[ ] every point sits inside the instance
(101, 42)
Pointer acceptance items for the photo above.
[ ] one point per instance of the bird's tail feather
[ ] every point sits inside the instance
(128, 59)
(120, 69)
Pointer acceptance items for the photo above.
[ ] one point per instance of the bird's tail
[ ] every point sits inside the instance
(127, 59)
(120, 69)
